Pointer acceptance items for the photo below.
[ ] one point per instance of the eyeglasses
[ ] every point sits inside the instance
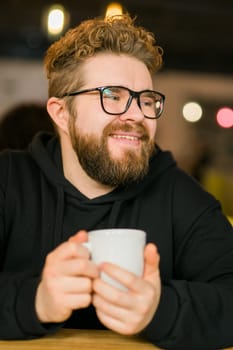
(116, 100)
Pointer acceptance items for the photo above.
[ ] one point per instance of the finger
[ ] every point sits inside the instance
(128, 317)
(113, 323)
(74, 285)
(77, 301)
(128, 279)
(111, 294)
(131, 299)
(151, 265)
(78, 267)
(112, 310)
(79, 237)
(68, 250)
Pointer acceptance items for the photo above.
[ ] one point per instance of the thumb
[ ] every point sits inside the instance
(151, 257)
(79, 237)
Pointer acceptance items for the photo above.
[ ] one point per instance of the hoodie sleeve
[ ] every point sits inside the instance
(196, 306)
(18, 318)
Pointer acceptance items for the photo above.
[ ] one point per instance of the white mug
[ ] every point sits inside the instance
(121, 246)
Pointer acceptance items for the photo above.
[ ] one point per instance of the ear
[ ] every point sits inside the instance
(58, 112)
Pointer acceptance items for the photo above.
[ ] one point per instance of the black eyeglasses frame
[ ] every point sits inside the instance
(133, 94)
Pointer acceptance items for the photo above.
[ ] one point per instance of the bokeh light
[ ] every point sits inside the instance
(55, 20)
(114, 9)
(225, 117)
(192, 112)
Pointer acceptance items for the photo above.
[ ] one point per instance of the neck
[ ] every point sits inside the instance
(75, 174)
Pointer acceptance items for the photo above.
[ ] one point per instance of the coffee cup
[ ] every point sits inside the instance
(120, 246)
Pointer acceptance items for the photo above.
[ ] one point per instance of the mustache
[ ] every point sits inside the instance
(137, 128)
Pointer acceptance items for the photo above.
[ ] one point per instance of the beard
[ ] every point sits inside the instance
(96, 160)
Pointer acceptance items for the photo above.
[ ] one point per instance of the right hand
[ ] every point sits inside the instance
(66, 282)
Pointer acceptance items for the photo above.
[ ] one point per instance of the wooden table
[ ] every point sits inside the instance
(67, 339)
(74, 339)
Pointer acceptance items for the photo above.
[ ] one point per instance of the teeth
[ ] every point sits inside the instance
(131, 138)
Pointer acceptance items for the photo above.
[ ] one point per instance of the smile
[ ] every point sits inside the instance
(126, 137)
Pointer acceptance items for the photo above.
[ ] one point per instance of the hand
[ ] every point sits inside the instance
(66, 282)
(131, 311)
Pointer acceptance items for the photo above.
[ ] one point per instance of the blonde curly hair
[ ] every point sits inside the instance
(117, 34)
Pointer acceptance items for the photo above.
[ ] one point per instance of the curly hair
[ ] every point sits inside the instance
(117, 34)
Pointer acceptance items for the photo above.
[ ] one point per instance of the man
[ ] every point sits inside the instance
(103, 171)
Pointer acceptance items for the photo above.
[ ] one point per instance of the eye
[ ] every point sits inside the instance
(112, 94)
(147, 101)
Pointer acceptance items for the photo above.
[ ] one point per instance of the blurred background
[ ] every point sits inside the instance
(197, 76)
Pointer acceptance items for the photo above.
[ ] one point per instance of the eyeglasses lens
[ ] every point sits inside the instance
(115, 101)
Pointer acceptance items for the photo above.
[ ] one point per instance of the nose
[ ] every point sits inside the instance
(133, 112)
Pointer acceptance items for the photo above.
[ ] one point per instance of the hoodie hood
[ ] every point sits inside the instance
(74, 211)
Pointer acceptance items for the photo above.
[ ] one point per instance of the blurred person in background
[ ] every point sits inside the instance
(105, 170)
(21, 123)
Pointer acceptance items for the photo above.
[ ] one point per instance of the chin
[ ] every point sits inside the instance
(122, 154)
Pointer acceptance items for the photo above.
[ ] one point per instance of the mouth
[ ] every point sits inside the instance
(126, 138)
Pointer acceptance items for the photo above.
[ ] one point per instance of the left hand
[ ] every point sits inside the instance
(131, 311)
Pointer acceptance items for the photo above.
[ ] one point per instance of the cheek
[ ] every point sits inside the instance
(91, 122)
(151, 126)
(88, 117)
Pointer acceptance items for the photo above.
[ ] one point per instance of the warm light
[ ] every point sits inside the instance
(55, 20)
(114, 9)
(225, 117)
(192, 111)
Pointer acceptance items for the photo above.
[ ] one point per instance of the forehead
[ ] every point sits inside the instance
(113, 69)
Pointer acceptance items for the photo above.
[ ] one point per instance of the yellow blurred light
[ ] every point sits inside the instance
(55, 20)
(114, 9)
(192, 112)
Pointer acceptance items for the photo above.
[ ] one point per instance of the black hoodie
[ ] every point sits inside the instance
(39, 209)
